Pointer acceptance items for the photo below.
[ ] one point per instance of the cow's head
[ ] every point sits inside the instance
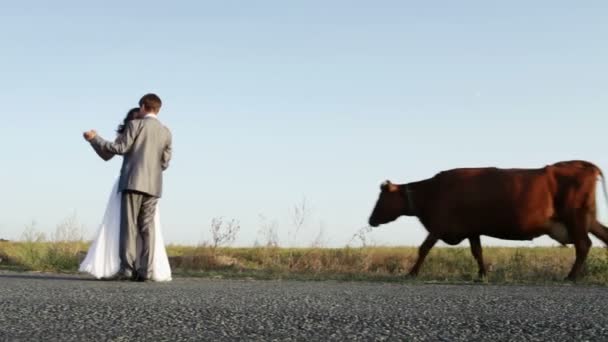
(390, 205)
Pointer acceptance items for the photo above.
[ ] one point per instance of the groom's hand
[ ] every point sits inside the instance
(88, 136)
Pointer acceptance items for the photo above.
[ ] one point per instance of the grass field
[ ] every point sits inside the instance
(505, 264)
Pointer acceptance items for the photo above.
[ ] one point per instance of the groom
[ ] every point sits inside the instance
(146, 149)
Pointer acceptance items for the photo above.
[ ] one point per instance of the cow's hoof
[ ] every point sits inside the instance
(411, 275)
(481, 279)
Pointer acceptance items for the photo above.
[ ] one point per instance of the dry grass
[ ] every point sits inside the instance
(42, 256)
(62, 252)
(505, 264)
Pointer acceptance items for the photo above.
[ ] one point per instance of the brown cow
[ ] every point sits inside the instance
(514, 204)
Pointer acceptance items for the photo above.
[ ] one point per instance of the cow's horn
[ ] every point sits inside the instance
(385, 184)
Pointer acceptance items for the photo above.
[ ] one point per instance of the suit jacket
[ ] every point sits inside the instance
(146, 149)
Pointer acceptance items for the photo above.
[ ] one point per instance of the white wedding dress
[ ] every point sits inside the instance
(102, 259)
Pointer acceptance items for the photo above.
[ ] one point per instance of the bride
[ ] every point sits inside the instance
(102, 259)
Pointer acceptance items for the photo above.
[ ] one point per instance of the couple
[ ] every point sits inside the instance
(129, 243)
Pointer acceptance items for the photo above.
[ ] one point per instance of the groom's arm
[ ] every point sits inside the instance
(102, 154)
(167, 154)
(121, 145)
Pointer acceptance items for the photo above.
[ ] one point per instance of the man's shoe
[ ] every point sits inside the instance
(141, 278)
(121, 275)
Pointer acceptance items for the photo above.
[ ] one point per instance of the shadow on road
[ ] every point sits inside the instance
(46, 277)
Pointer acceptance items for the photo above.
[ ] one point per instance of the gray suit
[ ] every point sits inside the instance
(146, 149)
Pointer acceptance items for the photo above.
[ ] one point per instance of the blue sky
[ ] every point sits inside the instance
(271, 102)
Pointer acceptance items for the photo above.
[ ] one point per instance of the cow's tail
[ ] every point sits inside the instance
(602, 178)
(604, 186)
(597, 229)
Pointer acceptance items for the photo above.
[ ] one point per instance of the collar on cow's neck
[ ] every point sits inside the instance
(408, 193)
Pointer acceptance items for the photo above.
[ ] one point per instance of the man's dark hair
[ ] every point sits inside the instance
(151, 102)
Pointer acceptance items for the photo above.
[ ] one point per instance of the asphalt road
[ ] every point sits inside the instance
(71, 308)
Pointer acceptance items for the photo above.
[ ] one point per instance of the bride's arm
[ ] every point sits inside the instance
(167, 154)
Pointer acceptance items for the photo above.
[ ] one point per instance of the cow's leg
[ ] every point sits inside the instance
(582, 244)
(424, 249)
(476, 251)
(599, 231)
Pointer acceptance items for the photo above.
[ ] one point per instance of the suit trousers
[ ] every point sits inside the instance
(137, 221)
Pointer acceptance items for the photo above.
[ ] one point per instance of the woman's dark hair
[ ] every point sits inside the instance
(130, 116)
